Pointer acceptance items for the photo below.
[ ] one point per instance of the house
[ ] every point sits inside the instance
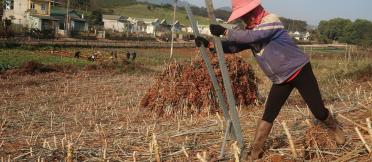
(30, 13)
(117, 23)
(300, 36)
(177, 26)
(166, 26)
(77, 22)
(147, 26)
(306, 36)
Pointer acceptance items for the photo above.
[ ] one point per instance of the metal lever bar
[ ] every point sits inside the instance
(207, 61)
(226, 79)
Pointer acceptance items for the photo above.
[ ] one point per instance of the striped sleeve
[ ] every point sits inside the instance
(265, 31)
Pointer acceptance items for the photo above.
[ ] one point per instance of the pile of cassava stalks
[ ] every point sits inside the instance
(187, 88)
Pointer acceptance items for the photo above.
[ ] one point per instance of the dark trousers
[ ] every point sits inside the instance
(307, 85)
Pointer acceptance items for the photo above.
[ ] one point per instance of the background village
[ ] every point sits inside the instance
(60, 21)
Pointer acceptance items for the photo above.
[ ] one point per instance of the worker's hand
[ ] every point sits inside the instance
(217, 30)
(200, 41)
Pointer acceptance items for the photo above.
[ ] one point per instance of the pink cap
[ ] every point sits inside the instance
(242, 7)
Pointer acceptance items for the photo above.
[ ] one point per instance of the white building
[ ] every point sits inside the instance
(300, 36)
(117, 23)
(30, 13)
(147, 26)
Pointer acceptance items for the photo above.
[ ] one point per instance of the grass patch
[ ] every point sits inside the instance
(360, 70)
(13, 58)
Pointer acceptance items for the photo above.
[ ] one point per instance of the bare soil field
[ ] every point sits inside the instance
(95, 115)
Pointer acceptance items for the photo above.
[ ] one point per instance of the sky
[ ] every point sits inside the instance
(312, 11)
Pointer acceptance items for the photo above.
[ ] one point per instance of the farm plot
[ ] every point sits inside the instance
(96, 116)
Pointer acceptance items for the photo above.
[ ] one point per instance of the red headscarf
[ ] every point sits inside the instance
(258, 14)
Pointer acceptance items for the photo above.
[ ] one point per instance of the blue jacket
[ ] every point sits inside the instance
(276, 53)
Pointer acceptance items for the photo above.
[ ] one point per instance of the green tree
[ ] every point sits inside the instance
(334, 29)
(95, 19)
(1, 9)
(359, 32)
(80, 4)
(345, 31)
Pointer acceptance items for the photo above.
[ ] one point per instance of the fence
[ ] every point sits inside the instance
(95, 43)
(344, 50)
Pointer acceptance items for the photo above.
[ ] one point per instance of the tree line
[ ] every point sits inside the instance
(1, 9)
(357, 32)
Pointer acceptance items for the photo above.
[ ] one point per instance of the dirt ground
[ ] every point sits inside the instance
(95, 116)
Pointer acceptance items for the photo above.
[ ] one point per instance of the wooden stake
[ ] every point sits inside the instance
(362, 139)
(291, 144)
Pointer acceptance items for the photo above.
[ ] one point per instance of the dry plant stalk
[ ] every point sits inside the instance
(155, 147)
(349, 120)
(236, 151)
(369, 127)
(184, 88)
(104, 149)
(70, 152)
(134, 156)
(202, 158)
(291, 143)
(362, 139)
(55, 142)
(308, 123)
(185, 152)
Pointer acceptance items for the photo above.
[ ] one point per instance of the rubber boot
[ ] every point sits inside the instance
(262, 132)
(335, 130)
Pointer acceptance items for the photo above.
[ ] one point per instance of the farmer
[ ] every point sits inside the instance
(77, 54)
(280, 59)
(128, 55)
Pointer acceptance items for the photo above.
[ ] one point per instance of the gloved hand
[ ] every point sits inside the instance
(217, 30)
(200, 41)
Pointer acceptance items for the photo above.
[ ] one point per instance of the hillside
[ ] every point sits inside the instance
(162, 9)
(133, 8)
(145, 11)
(113, 3)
